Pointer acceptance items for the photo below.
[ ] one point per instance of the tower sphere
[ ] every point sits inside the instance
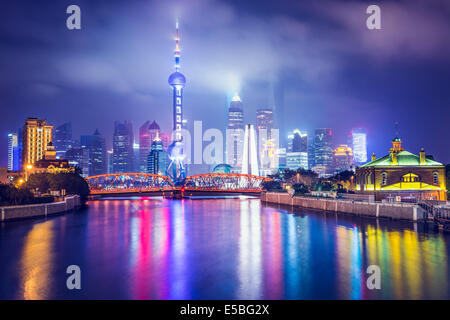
(177, 79)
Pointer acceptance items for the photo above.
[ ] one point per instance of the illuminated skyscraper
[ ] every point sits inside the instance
(323, 149)
(36, 135)
(250, 154)
(123, 141)
(343, 158)
(359, 143)
(157, 158)
(235, 132)
(95, 143)
(63, 139)
(177, 81)
(13, 152)
(267, 140)
(147, 133)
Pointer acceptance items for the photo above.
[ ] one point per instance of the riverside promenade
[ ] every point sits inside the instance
(69, 203)
(400, 211)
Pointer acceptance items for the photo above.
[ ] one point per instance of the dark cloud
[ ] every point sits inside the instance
(332, 70)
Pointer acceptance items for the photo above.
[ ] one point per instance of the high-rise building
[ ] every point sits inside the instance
(267, 140)
(157, 158)
(95, 143)
(79, 157)
(63, 139)
(343, 158)
(250, 153)
(123, 141)
(235, 133)
(109, 159)
(298, 143)
(296, 160)
(147, 133)
(13, 152)
(36, 135)
(323, 149)
(359, 146)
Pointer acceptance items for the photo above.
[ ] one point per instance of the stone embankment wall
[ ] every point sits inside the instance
(38, 210)
(404, 211)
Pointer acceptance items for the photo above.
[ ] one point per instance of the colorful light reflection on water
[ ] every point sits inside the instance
(218, 249)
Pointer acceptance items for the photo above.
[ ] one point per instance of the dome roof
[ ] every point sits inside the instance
(177, 78)
(222, 168)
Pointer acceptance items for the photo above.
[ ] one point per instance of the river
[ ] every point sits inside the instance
(151, 248)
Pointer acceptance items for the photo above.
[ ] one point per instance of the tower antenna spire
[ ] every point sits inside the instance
(396, 129)
(177, 48)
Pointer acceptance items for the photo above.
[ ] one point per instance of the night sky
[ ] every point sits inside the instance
(318, 57)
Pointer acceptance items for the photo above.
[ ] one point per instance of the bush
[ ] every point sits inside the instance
(73, 183)
(10, 195)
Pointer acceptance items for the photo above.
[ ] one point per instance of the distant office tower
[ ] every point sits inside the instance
(282, 160)
(323, 149)
(296, 160)
(79, 157)
(165, 139)
(36, 135)
(235, 132)
(123, 141)
(298, 143)
(343, 158)
(109, 156)
(63, 139)
(13, 152)
(147, 133)
(157, 158)
(250, 154)
(268, 139)
(359, 144)
(95, 143)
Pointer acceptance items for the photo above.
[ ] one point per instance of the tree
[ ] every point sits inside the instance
(300, 188)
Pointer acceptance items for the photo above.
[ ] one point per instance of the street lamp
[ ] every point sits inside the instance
(28, 169)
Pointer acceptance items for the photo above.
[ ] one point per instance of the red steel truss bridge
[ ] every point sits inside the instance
(147, 183)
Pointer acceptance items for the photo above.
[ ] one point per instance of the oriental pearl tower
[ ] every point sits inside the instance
(175, 169)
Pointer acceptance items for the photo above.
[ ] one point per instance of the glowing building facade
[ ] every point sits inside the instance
(268, 141)
(13, 152)
(402, 176)
(343, 158)
(359, 146)
(36, 136)
(147, 134)
(323, 150)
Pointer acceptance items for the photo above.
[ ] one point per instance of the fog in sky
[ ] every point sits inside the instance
(315, 59)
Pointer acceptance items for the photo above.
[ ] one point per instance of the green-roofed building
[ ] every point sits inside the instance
(402, 176)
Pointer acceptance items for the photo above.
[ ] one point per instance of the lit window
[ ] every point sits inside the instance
(384, 178)
(435, 177)
(410, 177)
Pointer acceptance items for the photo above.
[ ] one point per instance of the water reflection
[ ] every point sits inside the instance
(219, 249)
(36, 265)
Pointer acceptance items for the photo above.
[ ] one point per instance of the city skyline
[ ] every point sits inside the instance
(308, 102)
